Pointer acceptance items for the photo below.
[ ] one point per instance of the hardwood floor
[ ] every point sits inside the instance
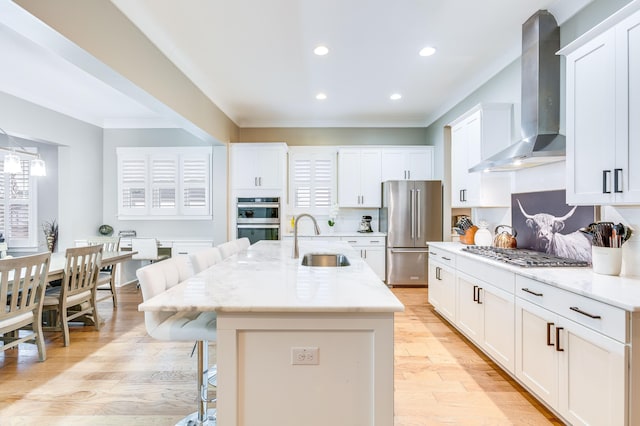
(120, 376)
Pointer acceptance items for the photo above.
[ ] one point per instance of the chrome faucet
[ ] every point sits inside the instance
(296, 254)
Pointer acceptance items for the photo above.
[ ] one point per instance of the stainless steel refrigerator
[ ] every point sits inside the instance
(411, 215)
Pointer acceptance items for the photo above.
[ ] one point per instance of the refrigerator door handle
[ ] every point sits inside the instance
(409, 250)
(412, 207)
(418, 213)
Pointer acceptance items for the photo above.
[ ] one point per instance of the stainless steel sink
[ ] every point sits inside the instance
(325, 259)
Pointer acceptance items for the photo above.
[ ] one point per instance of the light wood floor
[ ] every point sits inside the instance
(120, 376)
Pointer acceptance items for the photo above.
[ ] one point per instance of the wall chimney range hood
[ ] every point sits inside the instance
(541, 142)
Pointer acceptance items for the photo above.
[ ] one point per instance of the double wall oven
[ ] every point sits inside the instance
(258, 218)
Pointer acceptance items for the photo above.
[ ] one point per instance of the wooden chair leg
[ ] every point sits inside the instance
(64, 323)
(37, 328)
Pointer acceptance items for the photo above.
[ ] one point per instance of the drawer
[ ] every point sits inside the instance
(490, 274)
(443, 256)
(372, 241)
(601, 317)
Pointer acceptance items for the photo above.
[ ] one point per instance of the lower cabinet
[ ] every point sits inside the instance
(577, 371)
(442, 287)
(573, 353)
(372, 250)
(485, 315)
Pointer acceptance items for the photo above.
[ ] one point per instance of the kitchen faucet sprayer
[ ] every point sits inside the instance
(296, 254)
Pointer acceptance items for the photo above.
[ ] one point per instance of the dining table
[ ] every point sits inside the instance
(109, 258)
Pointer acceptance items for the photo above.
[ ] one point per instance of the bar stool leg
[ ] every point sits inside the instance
(202, 417)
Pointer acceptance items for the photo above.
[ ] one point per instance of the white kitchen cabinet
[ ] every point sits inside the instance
(372, 250)
(603, 103)
(475, 136)
(567, 353)
(359, 177)
(189, 247)
(485, 311)
(442, 282)
(258, 166)
(407, 163)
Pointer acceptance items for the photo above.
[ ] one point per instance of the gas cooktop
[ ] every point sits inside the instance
(523, 257)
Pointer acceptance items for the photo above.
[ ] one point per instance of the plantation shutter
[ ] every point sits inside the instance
(165, 183)
(312, 180)
(18, 204)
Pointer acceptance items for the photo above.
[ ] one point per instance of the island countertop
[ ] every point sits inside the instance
(265, 278)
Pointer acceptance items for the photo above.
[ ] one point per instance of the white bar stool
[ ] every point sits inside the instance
(180, 326)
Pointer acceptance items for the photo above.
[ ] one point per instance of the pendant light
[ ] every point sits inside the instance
(13, 163)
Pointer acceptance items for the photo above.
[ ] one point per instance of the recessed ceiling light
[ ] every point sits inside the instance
(321, 96)
(321, 50)
(427, 51)
(395, 96)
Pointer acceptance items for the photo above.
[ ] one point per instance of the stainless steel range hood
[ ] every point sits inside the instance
(541, 142)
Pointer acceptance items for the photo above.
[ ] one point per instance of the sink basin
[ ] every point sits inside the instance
(325, 259)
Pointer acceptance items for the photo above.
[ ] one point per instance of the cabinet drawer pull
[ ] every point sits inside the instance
(580, 311)
(605, 185)
(446, 258)
(432, 253)
(558, 348)
(475, 293)
(532, 292)
(438, 273)
(617, 180)
(549, 342)
(479, 301)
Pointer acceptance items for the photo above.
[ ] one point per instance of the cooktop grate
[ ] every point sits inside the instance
(523, 257)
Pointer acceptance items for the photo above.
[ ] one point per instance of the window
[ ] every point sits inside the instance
(312, 179)
(18, 206)
(170, 183)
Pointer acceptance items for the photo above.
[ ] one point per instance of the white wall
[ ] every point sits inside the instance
(72, 191)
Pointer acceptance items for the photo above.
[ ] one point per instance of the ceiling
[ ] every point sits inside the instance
(254, 59)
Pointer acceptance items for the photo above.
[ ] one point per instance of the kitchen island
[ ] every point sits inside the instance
(296, 344)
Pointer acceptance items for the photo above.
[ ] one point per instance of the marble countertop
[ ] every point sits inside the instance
(620, 291)
(265, 278)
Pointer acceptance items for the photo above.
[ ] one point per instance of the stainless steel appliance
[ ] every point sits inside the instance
(411, 215)
(258, 218)
(523, 257)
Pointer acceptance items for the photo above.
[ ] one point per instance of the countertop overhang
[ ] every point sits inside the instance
(265, 278)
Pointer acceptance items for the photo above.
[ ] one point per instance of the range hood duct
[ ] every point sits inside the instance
(541, 142)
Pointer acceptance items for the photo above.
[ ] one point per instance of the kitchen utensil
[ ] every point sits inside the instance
(505, 237)
(469, 234)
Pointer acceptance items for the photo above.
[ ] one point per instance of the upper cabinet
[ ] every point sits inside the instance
(359, 177)
(476, 135)
(258, 166)
(407, 163)
(603, 106)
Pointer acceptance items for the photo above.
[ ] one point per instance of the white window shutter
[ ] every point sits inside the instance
(196, 184)
(17, 207)
(132, 188)
(164, 183)
(312, 180)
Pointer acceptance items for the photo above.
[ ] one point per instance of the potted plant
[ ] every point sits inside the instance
(50, 230)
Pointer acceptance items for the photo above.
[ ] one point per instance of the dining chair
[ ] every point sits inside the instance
(76, 296)
(202, 259)
(200, 327)
(107, 275)
(22, 284)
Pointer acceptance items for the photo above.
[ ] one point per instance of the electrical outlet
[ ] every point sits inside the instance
(307, 355)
